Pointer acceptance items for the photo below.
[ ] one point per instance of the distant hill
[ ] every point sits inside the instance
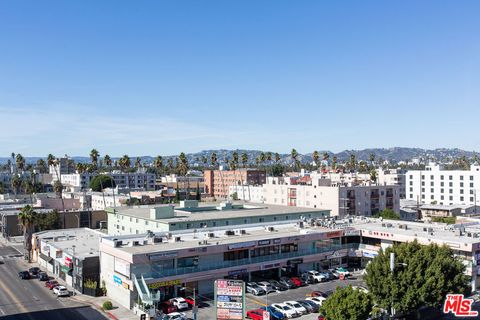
(394, 154)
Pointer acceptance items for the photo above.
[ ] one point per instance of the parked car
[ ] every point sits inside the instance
(287, 282)
(254, 289)
(180, 303)
(286, 310)
(42, 276)
(274, 313)
(328, 275)
(24, 275)
(318, 294)
(311, 306)
(297, 307)
(308, 278)
(277, 285)
(198, 301)
(175, 316)
(50, 284)
(317, 275)
(317, 300)
(298, 282)
(167, 307)
(61, 291)
(34, 271)
(256, 314)
(265, 285)
(338, 271)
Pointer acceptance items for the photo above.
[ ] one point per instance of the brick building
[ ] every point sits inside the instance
(217, 182)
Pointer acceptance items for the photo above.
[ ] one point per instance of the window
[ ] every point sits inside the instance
(431, 190)
(450, 177)
(441, 184)
(441, 190)
(441, 177)
(423, 189)
(461, 191)
(471, 185)
(411, 189)
(411, 183)
(441, 198)
(146, 222)
(451, 198)
(423, 196)
(461, 184)
(431, 197)
(461, 198)
(423, 177)
(461, 177)
(411, 176)
(471, 178)
(450, 191)
(431, 177)
(423, 183)
(471, 199)
(431, 183)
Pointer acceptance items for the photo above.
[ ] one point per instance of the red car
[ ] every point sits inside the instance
(297, 281)
(318, 294)
(51, 284)
(167, 307)
(256, 314)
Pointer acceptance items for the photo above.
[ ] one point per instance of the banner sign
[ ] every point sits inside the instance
(230, 299)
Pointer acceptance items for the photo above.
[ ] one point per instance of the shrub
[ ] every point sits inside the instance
(107, 305)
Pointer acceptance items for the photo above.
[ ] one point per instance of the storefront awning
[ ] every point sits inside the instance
(65, 269)
(46, 258)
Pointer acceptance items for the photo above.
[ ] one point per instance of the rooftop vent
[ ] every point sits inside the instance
(229, 233)
(211, 235)
(178, 239)
(270, 229)
(243, 231)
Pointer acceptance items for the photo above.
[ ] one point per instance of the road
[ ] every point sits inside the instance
(29, 299)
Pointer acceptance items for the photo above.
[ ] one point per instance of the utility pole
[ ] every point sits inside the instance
(73, 272)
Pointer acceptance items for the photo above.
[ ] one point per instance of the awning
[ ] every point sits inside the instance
(65, 269)
(46, 258)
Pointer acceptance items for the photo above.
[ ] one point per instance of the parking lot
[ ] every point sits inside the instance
(255, 302)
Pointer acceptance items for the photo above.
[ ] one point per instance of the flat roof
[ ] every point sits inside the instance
(185, 214)
(85, 240)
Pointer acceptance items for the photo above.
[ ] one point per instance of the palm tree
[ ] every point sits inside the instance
(213, 159)
(353, 162)
(326, 156)
(334, 163)
(158, 163)
(277, 157)
(27, 218)
(268, 156)
(170, 165)
(235, 158)
(58, 188)
(124, 162)
(50, 159)
(94, 154)
(263, 158)
(20, 161)
(316, 157)
(41, 166)
(182, 164)
(294, 155)
(16, 183)
(107, 160)
(138, 163)
(244, 159)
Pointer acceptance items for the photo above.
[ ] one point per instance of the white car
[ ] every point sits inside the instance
(286, 310)
(363, 289)
(180, 303)
(316, 275)
(297, 307)
(175, 316)
(339, 271)
(266, 286)
(61, 291)
(317, 300)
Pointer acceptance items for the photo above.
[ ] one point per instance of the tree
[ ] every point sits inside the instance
(50, 159)
(2, 188)
(235, 158)
(158, 163)
(48, 221)
(388, 214)
(277, 157)
(423, 276)
(27, 219)
(316, 157)
(124, 162)
(373, 175)
(347, 303)
(107, 160)
(182, 164)
(94, 154)
(42, 166)
(294, 155)
(58, 188)
(198, 196)
(244, 159)
(213, 159)
(353, 162)
(334, 163)
(16, 183)
(100, 182)
(138, 163)
(372, 158)
(268, 156)
(20, 162)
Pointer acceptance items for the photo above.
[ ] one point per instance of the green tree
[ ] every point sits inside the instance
(347, 303)
(100, 182)
(244, 159)
(124, 162)
(182, 164)
(107, 161)
(138, 163)
(20, 162)
(27, 218)
(388, 214)
(373, 175)
(48, 221)
(213, 159)
(334, 163)
(198, 195)
(447, 220)
(423, 276)
(277, 157)
(42, 166)
(158, 164)
(94, 154)
(58, 188)
(294, 155)
(16, 183)
(316, 157)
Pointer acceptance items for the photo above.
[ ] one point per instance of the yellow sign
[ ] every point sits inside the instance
(125, 285)
(168, 283)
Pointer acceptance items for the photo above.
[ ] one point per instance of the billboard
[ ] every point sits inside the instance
(229, 299)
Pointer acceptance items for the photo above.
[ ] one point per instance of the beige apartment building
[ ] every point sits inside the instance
(217, 182)
(342, 199)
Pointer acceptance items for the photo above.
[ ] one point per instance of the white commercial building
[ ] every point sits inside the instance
(247, 193)
(131, 180)
(434, 185)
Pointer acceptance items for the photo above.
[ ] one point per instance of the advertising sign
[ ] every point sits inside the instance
(229, 299)
(122, 267)
(168, 283)
(117, 279)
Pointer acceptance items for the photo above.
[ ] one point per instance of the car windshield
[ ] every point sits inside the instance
(286, 308)
(296, 305)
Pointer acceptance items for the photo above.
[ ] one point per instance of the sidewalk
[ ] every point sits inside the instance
(118, 313)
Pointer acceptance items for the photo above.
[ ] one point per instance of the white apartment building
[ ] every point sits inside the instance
(64, 166)
(342, 199)
(247, 193)
(173, 178)
(107, 200)
(131, 180)
(445, 187)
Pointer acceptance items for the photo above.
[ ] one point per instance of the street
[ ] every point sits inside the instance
(29, 299)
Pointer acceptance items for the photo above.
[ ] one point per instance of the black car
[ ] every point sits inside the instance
(42, 276)
(277, 285)
(24, 275)
(287, 283)
(34, 271)
(309, 279)
(311, 306)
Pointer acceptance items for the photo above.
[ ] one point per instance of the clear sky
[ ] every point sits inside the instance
(161, 77)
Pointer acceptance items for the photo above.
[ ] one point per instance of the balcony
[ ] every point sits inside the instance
(158, 272)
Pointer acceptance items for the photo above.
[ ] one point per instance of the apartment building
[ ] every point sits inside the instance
(340, 198)
(217, 182)
(191, 215)
(63, 166)
(247, 193)
(434, 185)
(153, 267)
(130, 180)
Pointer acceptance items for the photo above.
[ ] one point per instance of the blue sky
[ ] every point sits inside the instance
(161, 77)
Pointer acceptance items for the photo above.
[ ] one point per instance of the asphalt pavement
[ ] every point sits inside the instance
(30, 299)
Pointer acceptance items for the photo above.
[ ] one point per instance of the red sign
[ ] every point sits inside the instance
(459, 306)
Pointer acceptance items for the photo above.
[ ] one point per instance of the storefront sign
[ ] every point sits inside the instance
(168, 283)
(68, 262)
(271, 266)
(126, 286)
(242, 245)
(264, 242)
(351, 232)
(229, 299)
(370, 254)
(117, 279)
(334, 234)
(237, 272)
(277, 241)
(295, 261)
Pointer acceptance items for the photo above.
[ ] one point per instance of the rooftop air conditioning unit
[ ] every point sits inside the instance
(117, 244)
(157, 240)
(271, 229)
(243, 231)
(178, 239)
(211, 235)
(229, 233)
